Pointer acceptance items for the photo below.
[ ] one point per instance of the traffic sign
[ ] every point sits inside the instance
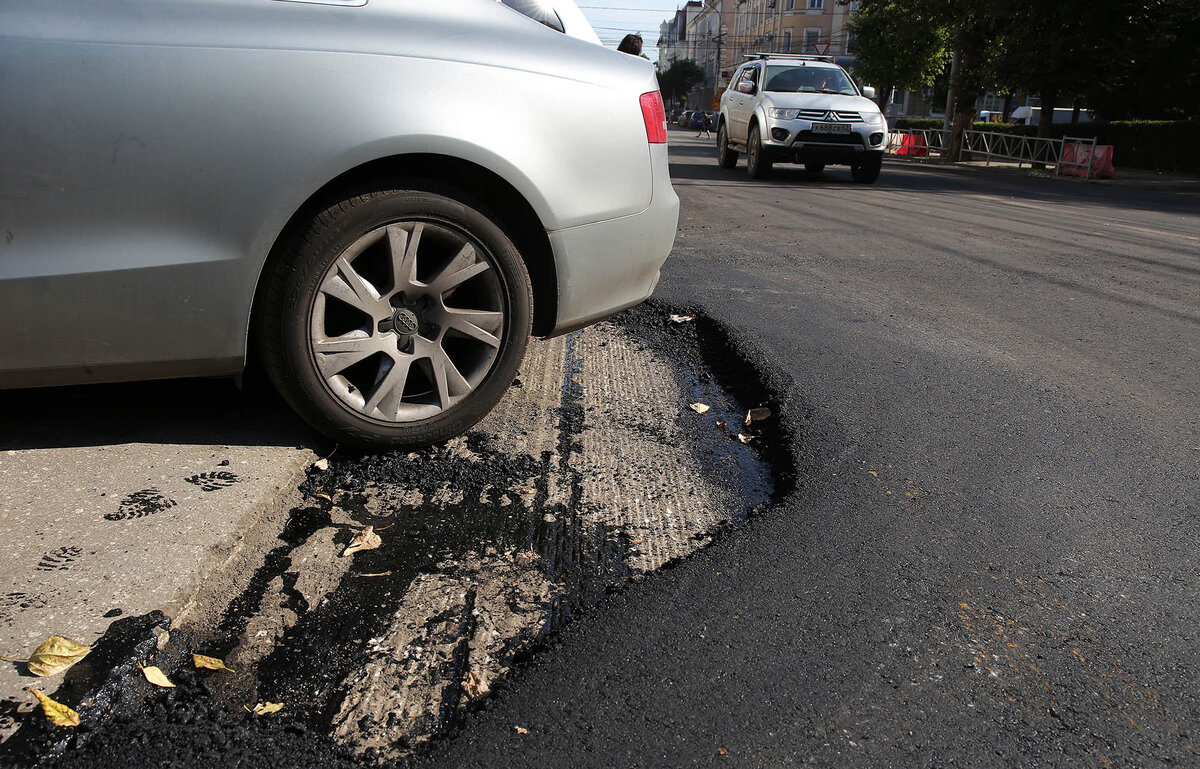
(822, 49)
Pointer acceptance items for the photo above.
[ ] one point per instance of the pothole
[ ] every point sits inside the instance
(592, 473)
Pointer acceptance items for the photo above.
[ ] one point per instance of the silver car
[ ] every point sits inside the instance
(380, 199)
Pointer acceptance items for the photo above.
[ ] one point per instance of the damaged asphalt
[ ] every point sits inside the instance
(987, 389)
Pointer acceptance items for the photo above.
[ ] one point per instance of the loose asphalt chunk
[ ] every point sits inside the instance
(591, 474)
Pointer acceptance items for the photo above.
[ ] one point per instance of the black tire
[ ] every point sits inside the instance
(756, 157)
(448, 351)
(867, 171)
(727, 156)
(814, 168)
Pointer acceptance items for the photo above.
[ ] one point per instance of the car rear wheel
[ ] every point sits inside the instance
(867, 170)
(756, 157)
(727, 156)
(814, 168)
(398, 317)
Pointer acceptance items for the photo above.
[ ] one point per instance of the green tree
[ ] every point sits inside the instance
(899, 43)
(681, 77)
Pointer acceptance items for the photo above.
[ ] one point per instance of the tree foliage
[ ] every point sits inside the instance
(1125, 59)
(681, 77)
(901, 44)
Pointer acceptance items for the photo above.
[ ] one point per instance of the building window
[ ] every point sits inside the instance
(816, 5)
(787, 41)
(849, 43)
(853, 6)
(790, 5)
(812, 36)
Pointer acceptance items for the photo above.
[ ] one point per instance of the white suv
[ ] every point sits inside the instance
(800, 109)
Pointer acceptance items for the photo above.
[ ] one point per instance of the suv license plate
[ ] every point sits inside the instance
(831, 128)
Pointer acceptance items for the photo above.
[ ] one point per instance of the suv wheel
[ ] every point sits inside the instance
(756, 157)
(398, 319)
(867, 171)
(726, 155)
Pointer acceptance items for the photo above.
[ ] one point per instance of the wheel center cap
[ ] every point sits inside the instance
(404, 322)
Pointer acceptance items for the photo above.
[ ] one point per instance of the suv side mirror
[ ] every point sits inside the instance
(746, 86)
(869, 92)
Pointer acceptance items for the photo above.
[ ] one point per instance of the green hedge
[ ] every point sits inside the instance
(1150, 145)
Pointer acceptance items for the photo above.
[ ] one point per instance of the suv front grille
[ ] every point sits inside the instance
(815, 138)
(841, 116)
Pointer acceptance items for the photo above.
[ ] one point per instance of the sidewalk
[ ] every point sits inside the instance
(1125, 177)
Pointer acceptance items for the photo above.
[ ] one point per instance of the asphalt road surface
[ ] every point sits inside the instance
(987, 557)
(991, 557)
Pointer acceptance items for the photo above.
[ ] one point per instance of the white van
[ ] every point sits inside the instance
(1031, 115)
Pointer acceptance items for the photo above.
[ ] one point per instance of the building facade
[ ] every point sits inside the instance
(717, 34)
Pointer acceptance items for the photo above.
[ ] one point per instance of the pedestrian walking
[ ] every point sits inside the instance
(704, 123)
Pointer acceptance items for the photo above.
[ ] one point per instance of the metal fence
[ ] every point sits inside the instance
(992, 146)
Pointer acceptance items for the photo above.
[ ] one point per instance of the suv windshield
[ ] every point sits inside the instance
(793, 79)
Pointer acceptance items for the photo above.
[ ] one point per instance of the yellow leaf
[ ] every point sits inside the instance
(745, 438)
(521, 730)
(156, 676)
(209, 663)
(58, 713)
(264, 708)
(56, 655)
(757, 415)
(367, 539)
(699, 408)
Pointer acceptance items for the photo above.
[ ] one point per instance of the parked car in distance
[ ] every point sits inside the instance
(187, 184)
(1032, 115)
(800, 109)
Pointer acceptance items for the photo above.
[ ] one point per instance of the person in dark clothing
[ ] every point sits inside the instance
(704, 124)
(631, 44)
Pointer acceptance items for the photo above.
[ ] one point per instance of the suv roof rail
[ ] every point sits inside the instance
(801, 56)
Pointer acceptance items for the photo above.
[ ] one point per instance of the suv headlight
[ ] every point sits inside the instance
(873, 118)
(780, 113)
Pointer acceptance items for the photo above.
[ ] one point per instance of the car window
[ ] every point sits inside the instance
(791, 79)
(538, 10)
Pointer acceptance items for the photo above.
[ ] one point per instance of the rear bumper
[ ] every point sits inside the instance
(607, 266)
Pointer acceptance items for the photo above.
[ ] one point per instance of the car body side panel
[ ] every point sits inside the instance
(617, 274)
(130, 133)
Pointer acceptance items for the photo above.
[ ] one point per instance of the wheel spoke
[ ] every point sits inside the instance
(461, 268)
(389, 392)
(403, 246)
(480, 325)
(449, 381)
(340, 353)
(351, 288)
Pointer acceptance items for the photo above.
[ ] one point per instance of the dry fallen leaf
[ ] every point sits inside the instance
(58, 713)
(321, 464)
(156, 676)
(757, 415)
(521, 730)
(55, 655)
(367, 539)
(722, 752)
(721, 423)
(475, 685)
(745, 438)
(264, 708)
(682, 318)
(699, 408)
(324, 496)
(209, 663)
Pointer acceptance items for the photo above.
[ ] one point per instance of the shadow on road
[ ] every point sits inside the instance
(696, 160)
(185, 411)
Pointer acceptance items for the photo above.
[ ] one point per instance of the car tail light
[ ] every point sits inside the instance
(655, 117)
